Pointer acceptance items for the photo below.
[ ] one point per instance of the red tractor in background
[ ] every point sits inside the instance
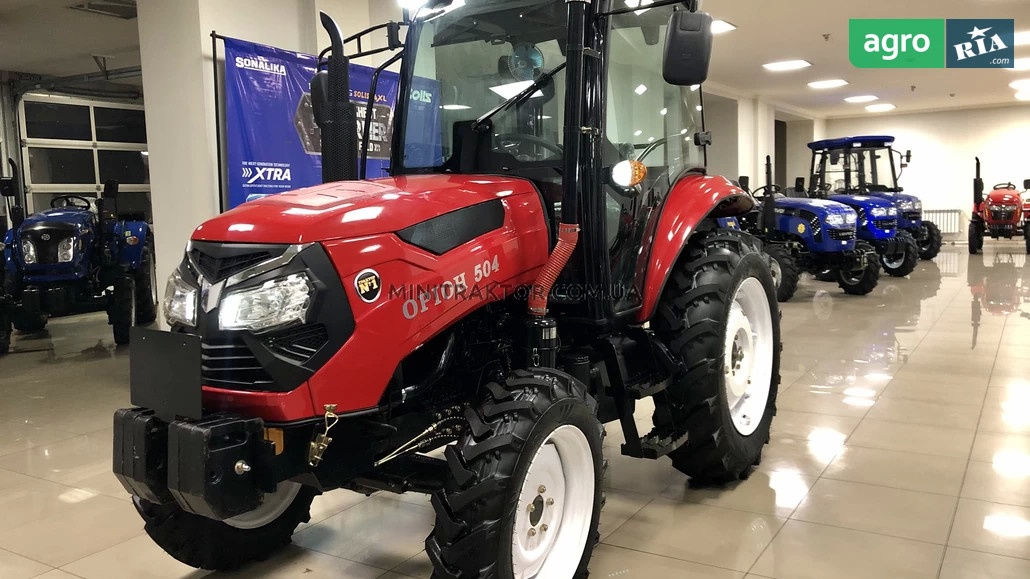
(1005, 213)
(546, 253)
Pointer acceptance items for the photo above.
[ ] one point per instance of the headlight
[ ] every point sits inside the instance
(180, 303)
(918, 205)
(851, 218)
(276, 303)
(879, 212)
(66, 250)
(893, 211)
(28, 252)
(907, 205)
(835, 219)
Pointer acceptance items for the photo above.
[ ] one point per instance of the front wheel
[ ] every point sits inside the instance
(905, 258)
(523, 496)
(719, 314)
(784, 269)
(863, 281)
(976, 237)
(122, 312)
(30, 323)
(225, 545)
(930, 245)
(146, 286)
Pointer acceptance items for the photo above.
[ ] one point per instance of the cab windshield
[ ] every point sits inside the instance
(470, 56)
(858, 170)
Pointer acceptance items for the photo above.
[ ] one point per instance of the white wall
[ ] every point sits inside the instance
(721, 119)
(944, 145)
(799, 157)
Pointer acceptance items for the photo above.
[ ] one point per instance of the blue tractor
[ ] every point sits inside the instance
(877, 174)
(74, 258)
(843, 170)
(813, 236)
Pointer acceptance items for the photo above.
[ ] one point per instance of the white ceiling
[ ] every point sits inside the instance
(47, 37)
(770, 31)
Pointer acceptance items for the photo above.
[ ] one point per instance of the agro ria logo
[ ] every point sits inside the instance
(981, 43)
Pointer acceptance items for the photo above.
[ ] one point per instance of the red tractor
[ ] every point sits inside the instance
(546, 253)
(1004, 213)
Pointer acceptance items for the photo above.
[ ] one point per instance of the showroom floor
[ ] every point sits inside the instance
(901, 449)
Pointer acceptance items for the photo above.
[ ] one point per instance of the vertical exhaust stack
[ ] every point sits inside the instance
(978, 188)
(768, 200)
(335, 114)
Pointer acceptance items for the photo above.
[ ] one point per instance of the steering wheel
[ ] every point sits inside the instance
(772, 190)
(514, 140)
(75, 201)
(1005, 186)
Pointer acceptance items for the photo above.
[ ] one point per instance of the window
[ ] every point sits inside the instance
(74, 145)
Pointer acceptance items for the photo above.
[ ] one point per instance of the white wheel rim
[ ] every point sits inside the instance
(273, 505)
(555, 507)
(894, 263)
(777, 271)
(748, 356)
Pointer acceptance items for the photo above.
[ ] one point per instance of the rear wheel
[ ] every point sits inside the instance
(784, 270)
(906, 257)
(719, 314)
(930, 245)
(225, 545)
(523, 497)
(146, 288)
(861, 282)
(122, 312)
(976, 237)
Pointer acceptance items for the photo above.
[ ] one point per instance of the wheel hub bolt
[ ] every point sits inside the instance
(242, 467)
(532, 532)
(542, 489)
(550, 502)
(532, 508)
(543, 527)
(747, 420)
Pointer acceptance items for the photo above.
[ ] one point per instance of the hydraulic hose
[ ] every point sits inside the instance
(568, 237)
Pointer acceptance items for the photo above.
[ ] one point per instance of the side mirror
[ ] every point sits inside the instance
(1026, 184)
(7, 188)
(799, 184)
(908, 156)
(745, 182)
(688, 48)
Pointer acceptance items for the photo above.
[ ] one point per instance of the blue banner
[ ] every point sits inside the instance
(272, 141)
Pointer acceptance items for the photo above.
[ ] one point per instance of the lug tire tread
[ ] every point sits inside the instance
(911, 256)
(870, 276)
(933, 246)
(790, 275)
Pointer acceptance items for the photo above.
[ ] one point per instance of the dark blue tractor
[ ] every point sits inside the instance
(877, 169)
(74, 258)
(813, 236)
(842, 172)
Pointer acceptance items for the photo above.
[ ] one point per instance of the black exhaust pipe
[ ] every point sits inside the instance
(768, 200)
(335, 114)
(978, 188)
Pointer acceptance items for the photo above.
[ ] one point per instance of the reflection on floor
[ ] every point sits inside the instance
(901, 449)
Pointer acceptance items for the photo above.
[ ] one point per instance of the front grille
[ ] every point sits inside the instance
(217, 269)
(912, 215)
(1003, 214)
(842, 234)
(299, 344)
(46, 242)
(229, 363)
(884, 224)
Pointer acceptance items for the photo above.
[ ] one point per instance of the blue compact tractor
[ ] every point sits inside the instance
(843, 172)
(813, 236)
(876, 174)
(73, 259)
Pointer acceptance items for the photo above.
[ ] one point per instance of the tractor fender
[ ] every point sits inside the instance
(131, 239)
(692, 199)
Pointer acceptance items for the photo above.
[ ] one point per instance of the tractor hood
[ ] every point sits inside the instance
(1004, 197)
(864, 201)
(820, 207)
(350, 209)
(894, 196)
(81, 219)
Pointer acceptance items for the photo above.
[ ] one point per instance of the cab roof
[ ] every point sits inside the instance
(843, 142)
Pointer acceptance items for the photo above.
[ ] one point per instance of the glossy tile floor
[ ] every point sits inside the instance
(901, 450)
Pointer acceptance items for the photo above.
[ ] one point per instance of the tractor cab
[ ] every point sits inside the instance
(870, 166)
